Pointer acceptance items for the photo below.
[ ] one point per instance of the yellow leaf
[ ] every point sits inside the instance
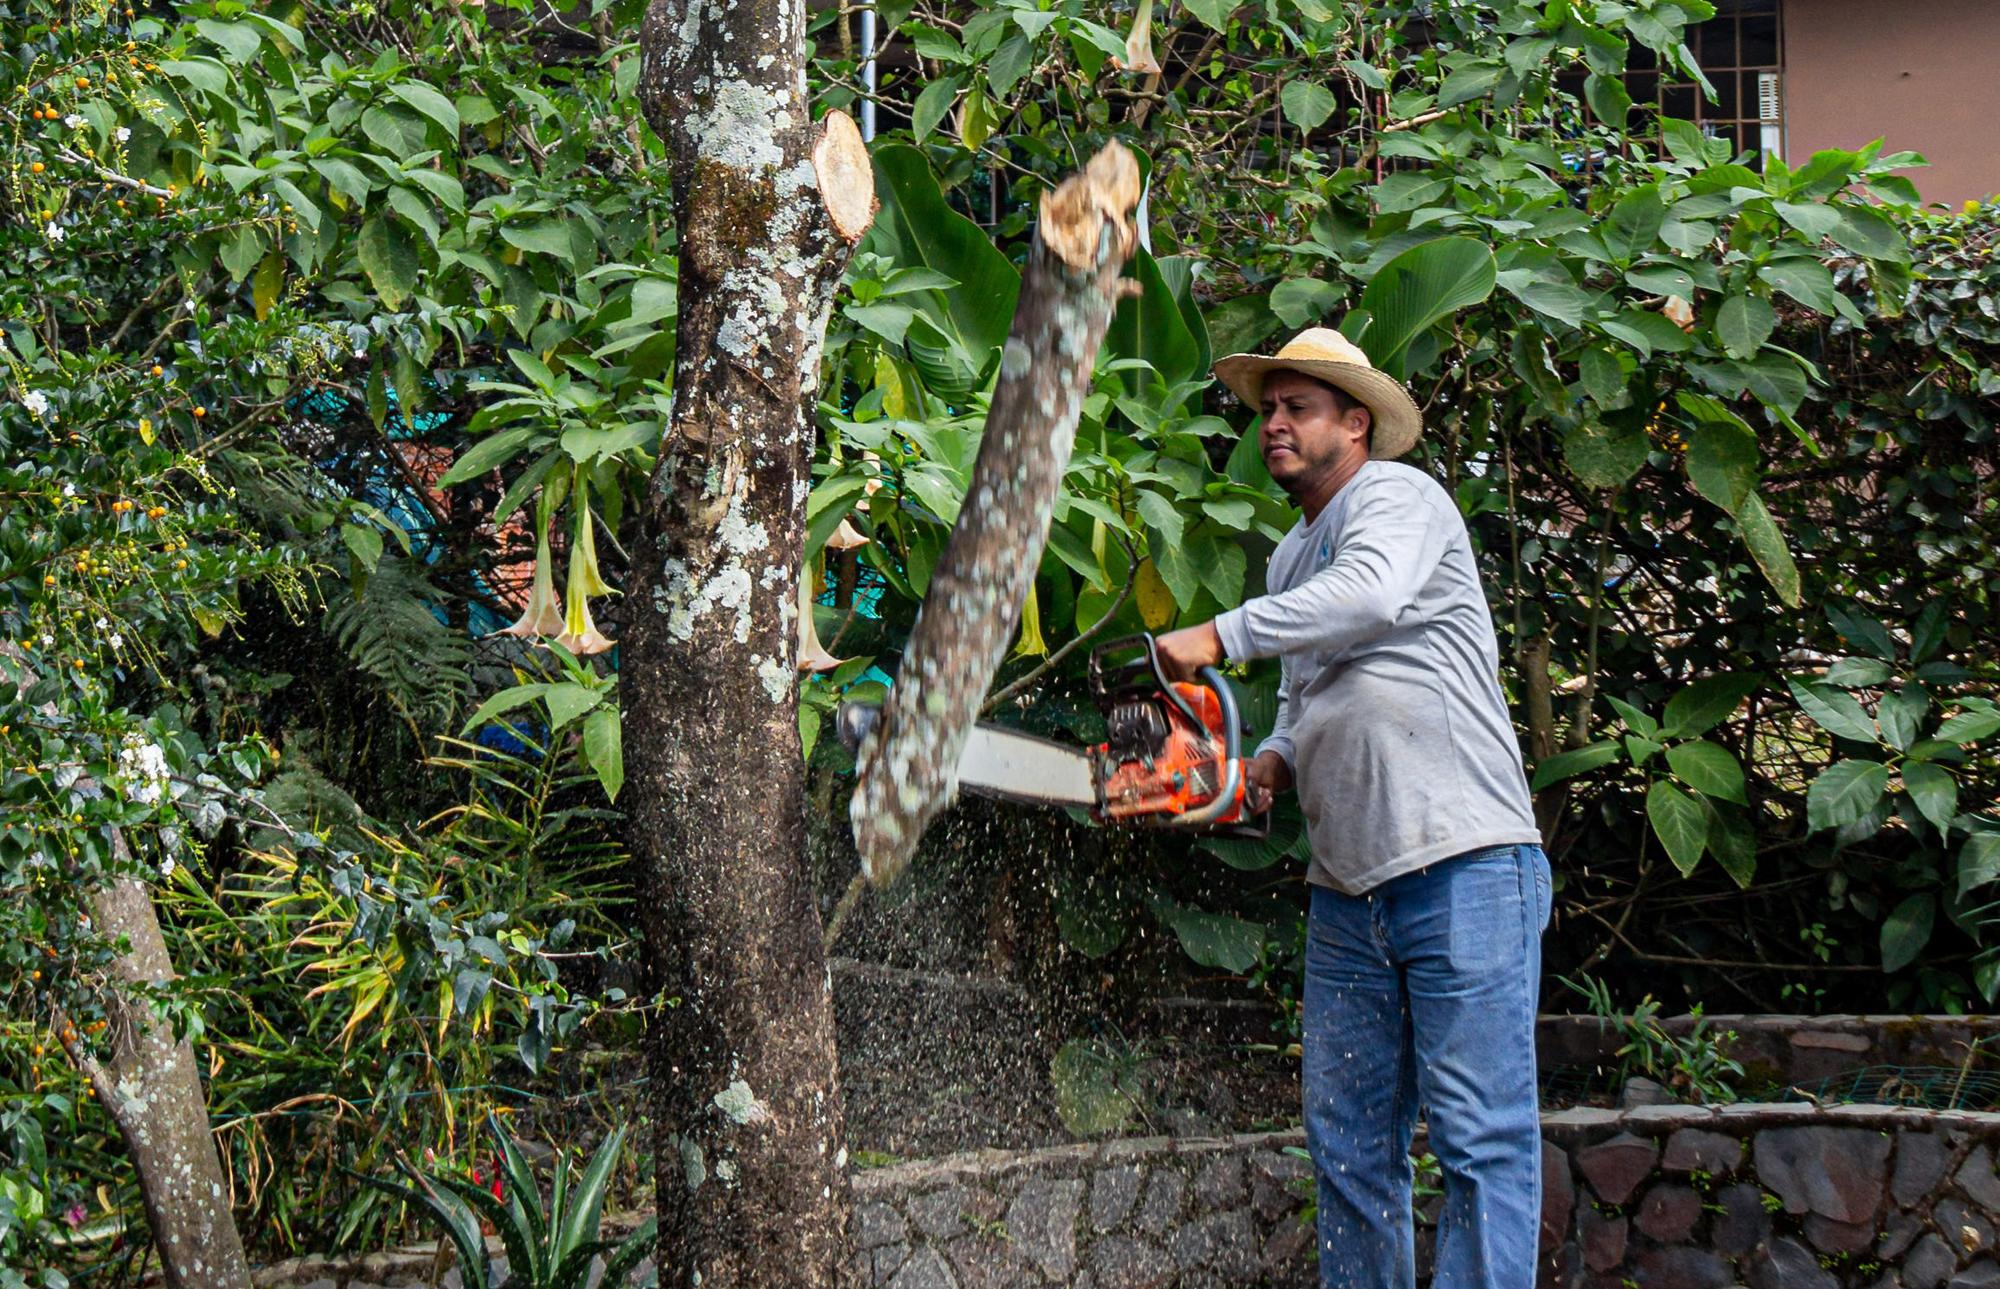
(1156, 601)
(265, 286)
(889, 379)
(1031, 644)
(975, 120)
(145, 431)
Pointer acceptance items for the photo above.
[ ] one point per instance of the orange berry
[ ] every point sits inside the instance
(83, 82)
(159, 370)
(37, 168)
(50, 580)
(200, 411)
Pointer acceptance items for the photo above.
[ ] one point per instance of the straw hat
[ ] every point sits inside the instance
(1324, 354)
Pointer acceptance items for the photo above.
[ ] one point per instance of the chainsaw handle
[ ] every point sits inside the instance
(1161, 685)
(1232, 752)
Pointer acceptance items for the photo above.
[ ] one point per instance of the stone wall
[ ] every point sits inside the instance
(1137, 1212)
(1791, 1196)
(1771, 1196)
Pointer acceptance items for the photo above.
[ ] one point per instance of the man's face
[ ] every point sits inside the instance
(1305, 436)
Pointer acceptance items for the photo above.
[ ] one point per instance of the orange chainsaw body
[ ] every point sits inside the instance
(1167, 758)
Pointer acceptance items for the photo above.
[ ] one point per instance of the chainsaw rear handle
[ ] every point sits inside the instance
(1232, 751)
(1232, 723)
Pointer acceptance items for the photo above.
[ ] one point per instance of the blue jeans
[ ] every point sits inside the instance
(1423, 992)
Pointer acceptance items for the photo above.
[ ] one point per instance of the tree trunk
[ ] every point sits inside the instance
(909, 766)
(151, 1087)
(153, 1090)
(744, 1094)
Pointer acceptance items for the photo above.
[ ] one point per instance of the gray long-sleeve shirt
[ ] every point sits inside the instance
(1389, 711)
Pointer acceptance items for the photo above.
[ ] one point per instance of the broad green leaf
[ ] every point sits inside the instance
(1833, 710)
(1732, 839)
(1303, 301)
(1635, 720)
(1707, 702)
(345, 178)
(1858, 673)
(486, 454)
(1475, 80)
(932, 104)
(1152, 326)
(428, 101)
(241, 39)
(1709, 769)
(1869, 233)
(1766, 545)
(1567, 765)
(1900, 714)
(569, 700)
(1213, 13)
(916, 227)
(504, 701)
(603, 744)
(1605, 456)
(1908, 930)
(389, 257)
(1744, 323)
(364, 543)
(1680, 822)
(1969, 727)
(1609, 101)
(1662, 279)
(545, 237)
(1978, 861)
(1723, 461)
(1861, 631)
(1807, 281)
(1934, 791)
(1845, 791)
(1212, 939)
(1306, 104)
(1634, 225)
(1418, 288)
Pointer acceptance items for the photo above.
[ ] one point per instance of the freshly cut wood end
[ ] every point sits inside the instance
(846, 179)
(1074, 215)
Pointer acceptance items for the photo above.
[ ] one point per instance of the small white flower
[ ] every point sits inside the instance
(167, 866)
(361, 353)
(121, 134)
(36, 401)
(143, 765)
(74, 121)
(47, 640)
(188, 305)
(117, 641)
(103, 622)
(69, 490)
(55, 231)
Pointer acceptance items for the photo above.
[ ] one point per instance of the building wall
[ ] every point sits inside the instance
(1924, 75)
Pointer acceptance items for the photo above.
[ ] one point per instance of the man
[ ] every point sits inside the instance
(1429, 887)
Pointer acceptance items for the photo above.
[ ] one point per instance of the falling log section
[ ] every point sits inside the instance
(909, 765)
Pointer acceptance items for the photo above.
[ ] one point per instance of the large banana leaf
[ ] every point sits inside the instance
(1154, 327)
(1413, 292)
(917, 227)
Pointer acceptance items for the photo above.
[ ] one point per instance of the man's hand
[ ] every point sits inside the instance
(1264, 778)
(1187, 651)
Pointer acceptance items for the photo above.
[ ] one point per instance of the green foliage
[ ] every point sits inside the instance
(1695, 1064)
(547, 1246)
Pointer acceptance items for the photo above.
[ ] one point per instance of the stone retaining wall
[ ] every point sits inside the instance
(1772, 1196)
(1790, 1196)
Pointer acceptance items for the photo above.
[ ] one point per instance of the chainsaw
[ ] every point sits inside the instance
(1172, 755)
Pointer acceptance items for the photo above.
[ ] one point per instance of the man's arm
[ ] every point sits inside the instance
(1388, 551)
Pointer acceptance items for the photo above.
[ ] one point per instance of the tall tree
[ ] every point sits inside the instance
(745, 1092)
